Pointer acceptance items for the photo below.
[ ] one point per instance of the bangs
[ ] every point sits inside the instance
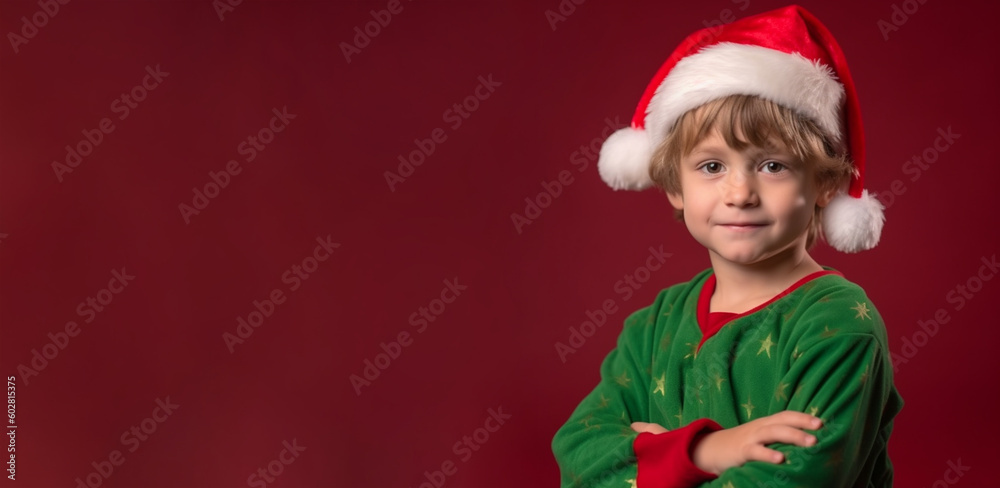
(746, 120)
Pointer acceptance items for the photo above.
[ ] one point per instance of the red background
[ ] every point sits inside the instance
(324, 176)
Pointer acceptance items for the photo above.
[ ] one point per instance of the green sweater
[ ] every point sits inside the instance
(819, 347)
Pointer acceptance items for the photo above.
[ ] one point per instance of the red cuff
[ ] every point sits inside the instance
(664, 460)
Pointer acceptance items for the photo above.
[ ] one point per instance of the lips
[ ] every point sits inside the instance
(742, 226)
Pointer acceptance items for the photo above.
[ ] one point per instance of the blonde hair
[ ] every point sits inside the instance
(758, 121)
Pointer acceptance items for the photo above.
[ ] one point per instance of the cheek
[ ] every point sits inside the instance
(800, 203)
(698, 203)
(803, 211)
(793, 203)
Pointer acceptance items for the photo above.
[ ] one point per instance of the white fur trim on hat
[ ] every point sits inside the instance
(624, 159)
(727, 68)
(853, 224)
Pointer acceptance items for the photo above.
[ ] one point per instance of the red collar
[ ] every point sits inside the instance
(711, 322)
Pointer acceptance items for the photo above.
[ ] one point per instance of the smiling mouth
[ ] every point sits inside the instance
(743, 225)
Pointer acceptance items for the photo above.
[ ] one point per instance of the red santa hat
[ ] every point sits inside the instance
(786, 56)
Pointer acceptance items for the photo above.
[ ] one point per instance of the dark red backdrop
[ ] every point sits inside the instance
(542, 87)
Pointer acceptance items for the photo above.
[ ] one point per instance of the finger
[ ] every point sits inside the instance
(648, 427)
(785, 435)
(799, 420)
(763, 454)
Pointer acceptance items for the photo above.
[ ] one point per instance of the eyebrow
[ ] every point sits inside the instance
(753, 150)
(708, 150)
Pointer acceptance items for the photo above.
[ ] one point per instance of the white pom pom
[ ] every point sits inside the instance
(853, 224)
(624, 160)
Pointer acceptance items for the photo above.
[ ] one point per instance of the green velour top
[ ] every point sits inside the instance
(818, 347)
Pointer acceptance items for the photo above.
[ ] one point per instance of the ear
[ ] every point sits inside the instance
(824, 197)
(676, 199)
(826, 194)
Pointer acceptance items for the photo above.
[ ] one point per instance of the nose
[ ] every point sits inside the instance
(739, 190)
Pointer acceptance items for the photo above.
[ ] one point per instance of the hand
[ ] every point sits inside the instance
(641, 427)
(724, 449)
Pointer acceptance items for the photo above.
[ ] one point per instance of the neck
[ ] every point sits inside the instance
(740, 287)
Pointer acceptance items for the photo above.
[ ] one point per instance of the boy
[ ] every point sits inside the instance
(766, 370)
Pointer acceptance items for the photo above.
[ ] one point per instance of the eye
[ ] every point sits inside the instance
(711, 167)
(773, 167)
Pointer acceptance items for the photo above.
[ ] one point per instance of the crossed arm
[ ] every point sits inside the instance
(844, 383)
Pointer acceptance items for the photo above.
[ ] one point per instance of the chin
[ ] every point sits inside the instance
(745, 260)
(746, 257)
(739, 256)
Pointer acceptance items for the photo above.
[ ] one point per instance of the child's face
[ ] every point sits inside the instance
(746, 206)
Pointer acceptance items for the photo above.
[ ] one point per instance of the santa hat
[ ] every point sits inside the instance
(786, 56)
